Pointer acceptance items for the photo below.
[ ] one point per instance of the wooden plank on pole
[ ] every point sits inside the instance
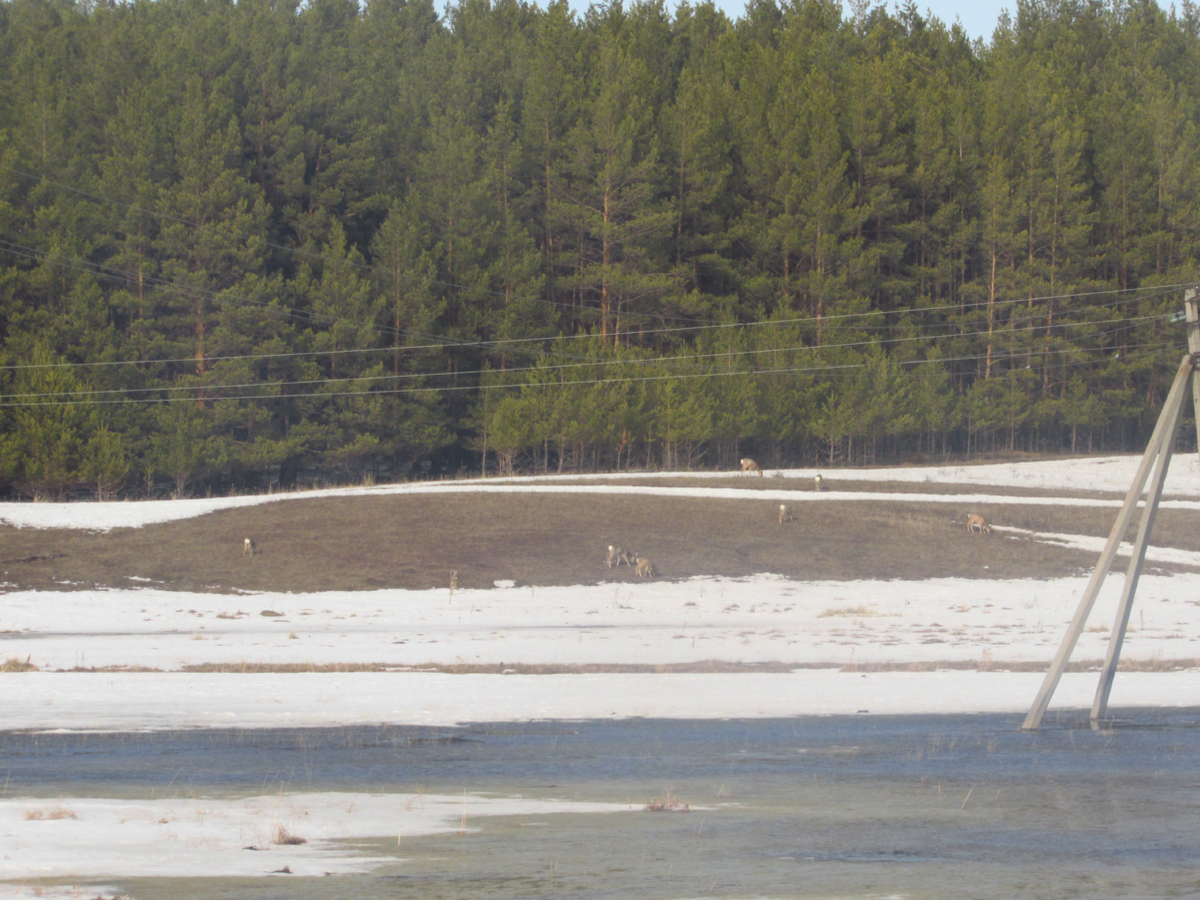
(1059, 665)
(1137, 559)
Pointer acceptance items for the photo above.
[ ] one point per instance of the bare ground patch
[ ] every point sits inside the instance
(418, 541)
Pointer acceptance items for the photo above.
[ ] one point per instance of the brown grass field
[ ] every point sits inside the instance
(416, 541)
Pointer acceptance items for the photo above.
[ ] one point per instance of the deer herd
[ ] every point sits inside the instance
(976, 524)
(643, 568)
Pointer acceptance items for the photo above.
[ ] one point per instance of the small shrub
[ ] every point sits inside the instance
(280, 835)
(16, 664)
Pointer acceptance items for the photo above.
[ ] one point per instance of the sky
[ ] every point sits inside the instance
(978, 18)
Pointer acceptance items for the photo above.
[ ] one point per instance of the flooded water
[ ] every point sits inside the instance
(861, 807)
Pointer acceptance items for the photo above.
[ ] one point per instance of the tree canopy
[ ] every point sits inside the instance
(257, 241)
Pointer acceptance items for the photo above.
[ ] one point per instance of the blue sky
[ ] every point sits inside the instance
(979, 18)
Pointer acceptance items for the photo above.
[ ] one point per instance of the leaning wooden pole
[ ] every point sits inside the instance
(1059, 665)
(1191, 308)
(1136, 560)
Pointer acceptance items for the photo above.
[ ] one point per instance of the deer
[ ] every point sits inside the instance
(785, 514)
(977, 524)
(749, 465)
(249, 548)
(645, 568)
(819, 482)
(616, 556)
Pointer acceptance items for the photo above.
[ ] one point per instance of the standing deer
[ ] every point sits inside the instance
(616, 556)
(249, 548)
(645, 568)
(977, 524)
(785, 514)
(749, 465)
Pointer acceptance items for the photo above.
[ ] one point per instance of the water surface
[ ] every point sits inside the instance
(865, 807)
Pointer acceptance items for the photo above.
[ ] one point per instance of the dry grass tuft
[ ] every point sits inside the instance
(666, 803)
(280, 835)
(856, 612)
(47, 813)
(16, 664)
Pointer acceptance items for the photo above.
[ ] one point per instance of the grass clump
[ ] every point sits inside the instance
(281, 835)
(666, 803)
(857, 612)
(49, 813)
(16, 664)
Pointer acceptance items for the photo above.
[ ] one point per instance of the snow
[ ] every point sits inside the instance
(65, 702)
(985, 623)
(99, 838)
(1113, 474)
(809, 629)
(754, 620)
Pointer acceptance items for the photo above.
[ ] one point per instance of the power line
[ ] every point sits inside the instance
(445, 343)
(680, 376)
(642, 361)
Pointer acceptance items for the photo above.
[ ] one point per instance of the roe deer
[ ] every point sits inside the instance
(749, 465)
(616, 556)
(249, 548)
(977, 524)
(645, 568)
(785, 514)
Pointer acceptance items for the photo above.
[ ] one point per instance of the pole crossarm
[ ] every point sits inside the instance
(1158, 451)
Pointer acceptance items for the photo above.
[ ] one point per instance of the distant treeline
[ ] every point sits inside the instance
(256, 241)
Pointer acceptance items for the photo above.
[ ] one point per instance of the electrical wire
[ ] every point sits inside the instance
(439, 343)
(680, 376)
(541, 368)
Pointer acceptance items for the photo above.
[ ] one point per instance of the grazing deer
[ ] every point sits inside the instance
(645, 568)
(819, 482)
(977, 524)
(616, 556)
(749, 465)
(785, 514)
(249, 548)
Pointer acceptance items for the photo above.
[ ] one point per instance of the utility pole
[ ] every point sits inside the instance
(1158, 458)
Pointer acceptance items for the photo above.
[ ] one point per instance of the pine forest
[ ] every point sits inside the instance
(265, 242)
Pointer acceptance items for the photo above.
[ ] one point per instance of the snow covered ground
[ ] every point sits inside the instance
(197, 837)
(763, 619)
(1112, 473)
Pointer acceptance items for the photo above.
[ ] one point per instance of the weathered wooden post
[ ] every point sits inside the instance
(1158, 457)
(1191, 309)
